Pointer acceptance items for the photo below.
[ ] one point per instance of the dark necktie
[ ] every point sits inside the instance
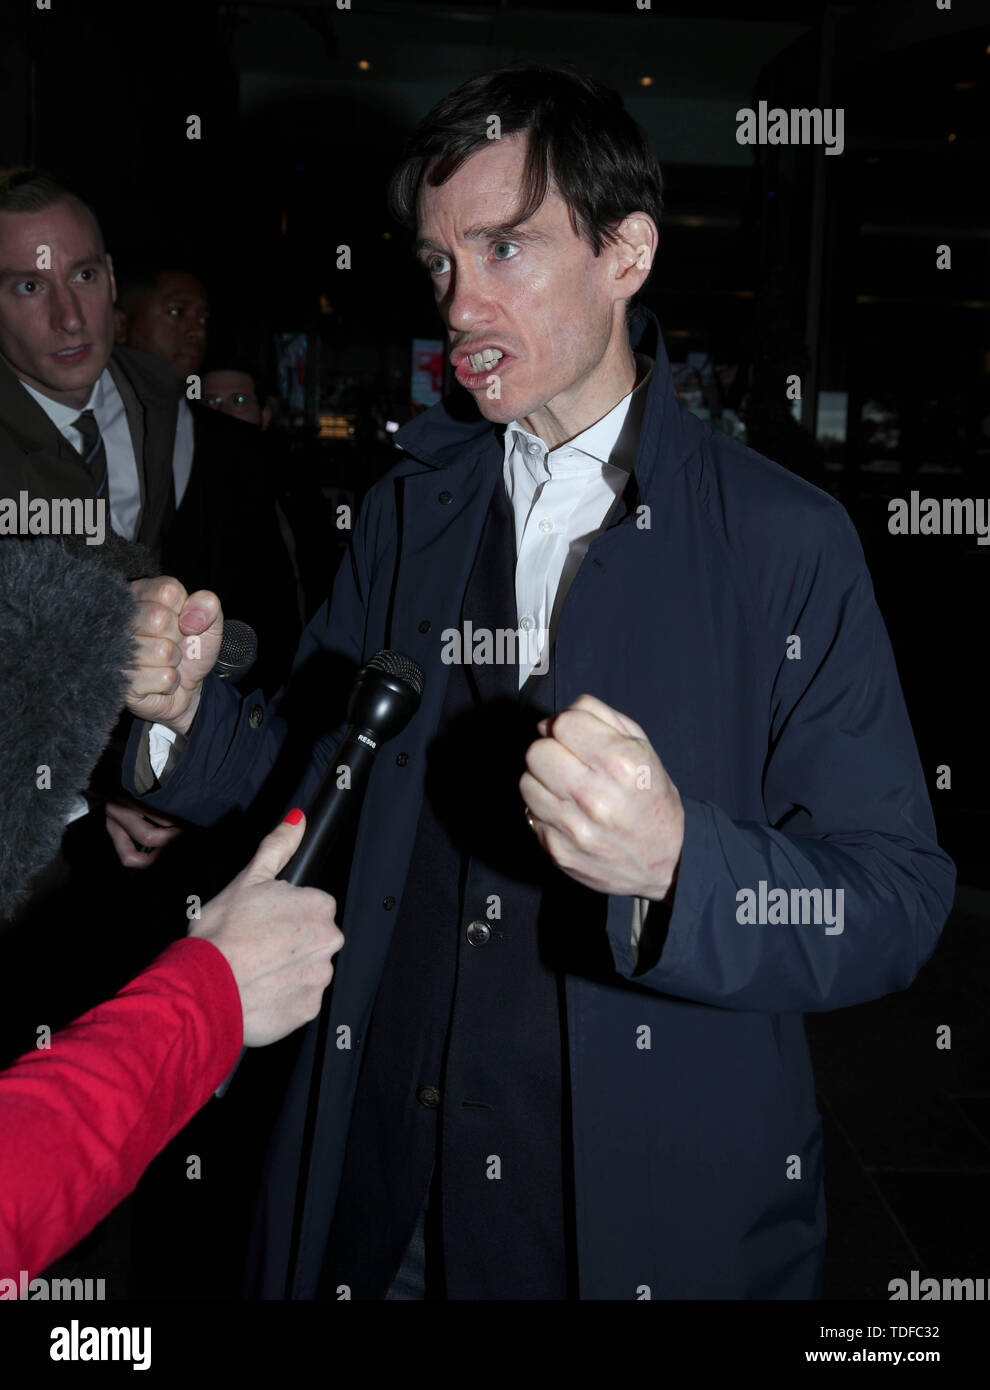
(94, 454)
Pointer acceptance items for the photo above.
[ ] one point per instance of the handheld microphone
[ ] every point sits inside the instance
(385, 697)
(238, 650)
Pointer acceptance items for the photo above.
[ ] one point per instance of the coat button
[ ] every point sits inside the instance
(425, 625)
(428, 1096)
(388, 903)
(255, 716)
(478, 933)
(401, 759)
(446, 497)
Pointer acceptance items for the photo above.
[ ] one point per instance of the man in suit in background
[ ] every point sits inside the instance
(60, 374)
(234, 386)
(164, 312)
(80, 418)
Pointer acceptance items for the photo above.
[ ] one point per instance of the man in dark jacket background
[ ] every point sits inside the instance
(607, 866)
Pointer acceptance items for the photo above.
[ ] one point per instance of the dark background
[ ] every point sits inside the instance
(775, 259)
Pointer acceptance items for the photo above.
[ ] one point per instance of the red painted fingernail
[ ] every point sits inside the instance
(294, 816)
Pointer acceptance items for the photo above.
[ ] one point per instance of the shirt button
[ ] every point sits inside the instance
(446, 497)
(546, 525)
(478, 933)
(388, 903)
(425, 625)
(255, 716)
(533, 449)
(428, 1096)
(401, 759)
(527, 623)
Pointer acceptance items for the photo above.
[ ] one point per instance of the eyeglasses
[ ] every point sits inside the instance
(236, 398)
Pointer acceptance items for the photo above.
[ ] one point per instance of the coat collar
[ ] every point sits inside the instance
(26, 420)
(440, 436)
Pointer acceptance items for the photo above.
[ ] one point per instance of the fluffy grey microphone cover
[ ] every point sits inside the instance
(64, 645)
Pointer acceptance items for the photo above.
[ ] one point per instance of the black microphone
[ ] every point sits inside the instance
(385, 697)
(238, 650)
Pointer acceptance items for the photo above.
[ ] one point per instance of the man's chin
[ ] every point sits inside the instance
(54, 378)
(499, 412)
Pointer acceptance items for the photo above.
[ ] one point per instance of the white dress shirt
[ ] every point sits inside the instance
(108, 409)
(561, 499)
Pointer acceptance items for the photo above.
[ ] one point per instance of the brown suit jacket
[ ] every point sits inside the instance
(35, 457)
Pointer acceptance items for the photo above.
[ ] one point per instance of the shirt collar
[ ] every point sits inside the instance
(62, 415)
(610, 440)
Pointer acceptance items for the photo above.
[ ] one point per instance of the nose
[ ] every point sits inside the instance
(468, 304)
(66, 310)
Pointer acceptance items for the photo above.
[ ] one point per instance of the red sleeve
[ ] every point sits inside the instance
(80, 1122)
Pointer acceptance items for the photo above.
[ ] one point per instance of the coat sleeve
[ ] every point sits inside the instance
(848, 834)
(236, 740)
(83, 1119)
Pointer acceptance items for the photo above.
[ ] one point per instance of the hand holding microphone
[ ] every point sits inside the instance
(169, 671)
(279, 940)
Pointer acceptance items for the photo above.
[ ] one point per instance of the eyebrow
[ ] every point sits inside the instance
(34, 273)
(502, 231)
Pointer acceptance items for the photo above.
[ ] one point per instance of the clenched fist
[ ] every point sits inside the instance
(177, 641)
(602, 803)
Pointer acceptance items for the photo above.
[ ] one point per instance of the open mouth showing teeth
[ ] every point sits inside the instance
(486, 358)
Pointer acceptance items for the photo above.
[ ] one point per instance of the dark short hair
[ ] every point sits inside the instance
(580, 136)
(136, 275)
(32, 190)
(246, 366)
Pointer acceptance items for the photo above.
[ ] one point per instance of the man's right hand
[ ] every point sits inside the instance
(279, 940)
(177, 643)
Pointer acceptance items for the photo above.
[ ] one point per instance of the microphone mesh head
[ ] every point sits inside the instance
(402, 667)
(239, 644)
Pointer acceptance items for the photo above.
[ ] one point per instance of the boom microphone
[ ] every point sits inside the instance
(385, 697)
(65, 645)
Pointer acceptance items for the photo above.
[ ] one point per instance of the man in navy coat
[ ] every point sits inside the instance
(606, 867)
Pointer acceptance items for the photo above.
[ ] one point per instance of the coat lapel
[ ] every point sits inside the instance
(49, 460)
(441, 518)
(489, 600)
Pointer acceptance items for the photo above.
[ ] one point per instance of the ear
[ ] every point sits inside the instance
(266, 416)
(120, 326)
(113, 282)
(634, 251)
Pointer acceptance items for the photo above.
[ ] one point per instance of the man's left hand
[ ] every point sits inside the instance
(137, 838)
(604, 807)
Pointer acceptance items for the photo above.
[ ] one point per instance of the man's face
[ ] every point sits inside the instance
(170, 321)
(234, 394)
(536, 292)
(56, 318)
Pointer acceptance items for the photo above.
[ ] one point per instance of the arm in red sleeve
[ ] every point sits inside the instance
(79, 1123)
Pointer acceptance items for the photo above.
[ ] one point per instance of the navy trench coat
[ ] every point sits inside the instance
(697, 1142)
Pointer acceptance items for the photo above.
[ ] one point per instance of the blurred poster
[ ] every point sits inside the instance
(427, 370)
(292, 350)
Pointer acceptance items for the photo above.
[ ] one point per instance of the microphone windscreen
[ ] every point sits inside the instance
(130, 558)
(64, 646)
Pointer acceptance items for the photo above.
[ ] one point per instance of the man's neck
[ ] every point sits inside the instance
(562, 419)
